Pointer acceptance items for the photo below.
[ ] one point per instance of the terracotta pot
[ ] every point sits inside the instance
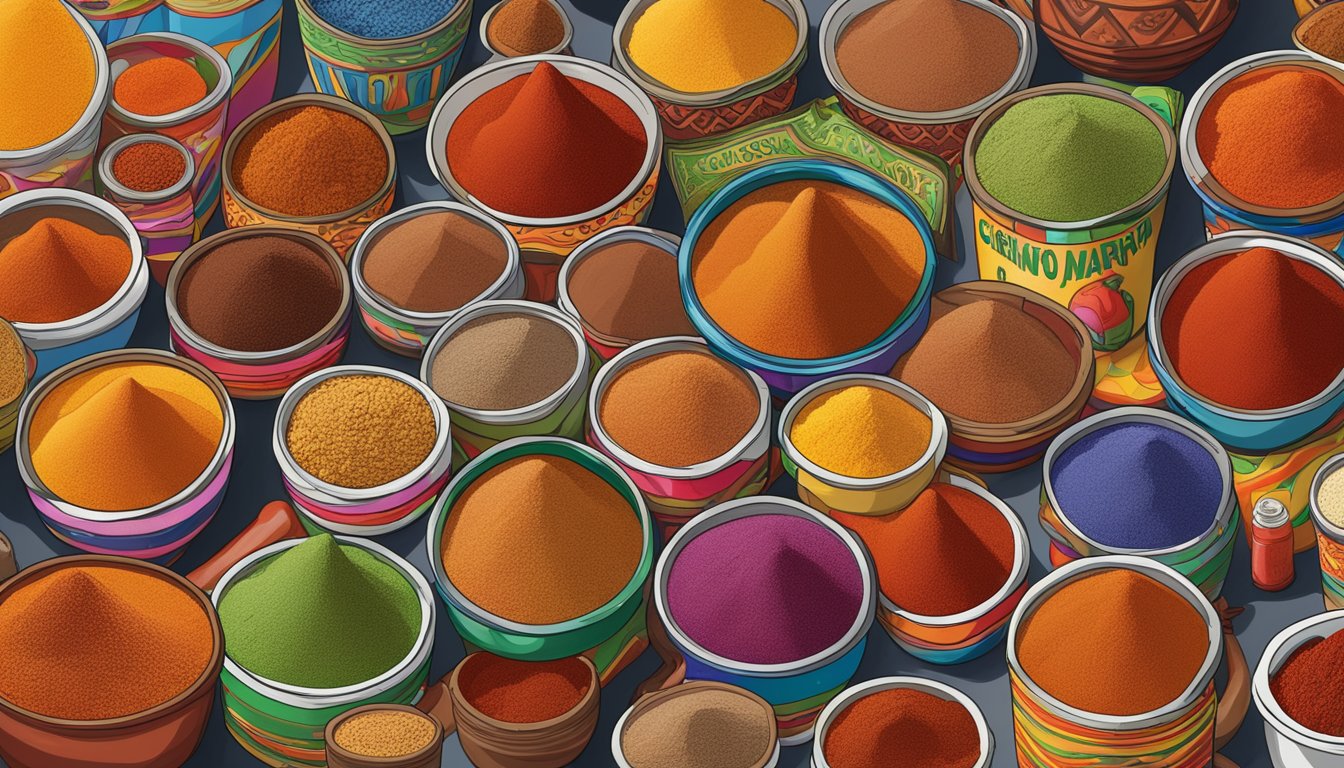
(1146, 41)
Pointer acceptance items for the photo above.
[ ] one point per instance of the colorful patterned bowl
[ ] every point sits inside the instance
(1144, 42)
(165, 219)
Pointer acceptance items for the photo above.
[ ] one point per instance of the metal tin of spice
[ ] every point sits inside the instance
(1204, 560)
(199, 128)
(67, 160)
(1322, 225)
(1250, 431)
(825, 490)
(248, 32)
(560, 414)
(650, 701)
(1329, 538)
(282, 724)
(158, 533)
(398, 80)
(9, 412)
(363, 511)
(924, 685)
(1292, 745)
(407, 332)
(546, 242)
(340, 757)
(110, 325)
(260, 375)
(166, 218)
(613, 635)
(563, 48)
(676, 494)
(341, 229)
(797, 690)
(942, 133)
(695, 115)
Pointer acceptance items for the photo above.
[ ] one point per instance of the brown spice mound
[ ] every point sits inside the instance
(434, 262)
(629, 290)
(504, 361)
(525, 27)
(1325, 33)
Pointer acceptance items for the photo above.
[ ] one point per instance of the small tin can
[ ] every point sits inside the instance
(247, 33)
(166, 218)
(498, 52)
(924, 685)
(1330, 540)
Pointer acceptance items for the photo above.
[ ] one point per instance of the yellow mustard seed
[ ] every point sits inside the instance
(389, 733)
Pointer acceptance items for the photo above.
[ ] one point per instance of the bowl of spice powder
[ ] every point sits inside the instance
(105, 661)
(556, 148)
(1009, 369)
(17, 364)
(1321, 32)
(861, 444)
(700, 724)
(690, 429)
(149, 177)
(260, 306)
(384, 736)
(1200, 319)
(509, 369)
(541, 547)
(525, 28)
(414, 269)
(311, 162)
(958, 57)
(1327, 517)
(1296, 688)
(48, 235)
(712, 65)
(936, 726)
(363, 450)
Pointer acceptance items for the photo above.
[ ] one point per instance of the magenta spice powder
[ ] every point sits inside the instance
(768, 589)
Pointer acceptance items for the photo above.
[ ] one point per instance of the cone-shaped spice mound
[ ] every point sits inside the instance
(807, 269)
(435, 262)
(525, 27)
(861, 431)
(1290, 313)
(1309, 684)
(629, 290)
(922, 728)
(58, 270)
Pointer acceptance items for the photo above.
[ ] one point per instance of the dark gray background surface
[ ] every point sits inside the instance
(1261, 25)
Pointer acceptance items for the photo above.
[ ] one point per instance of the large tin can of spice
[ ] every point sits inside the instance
(67, 160)
(165, 218)
(397, 79)
(545, 243)
(199, 128)
(114, 19)
(1101, 269)
(1329, 538)
(1291, 744)
(283, 725)
(405, 331)
(158, 533)
(9, 412)
(110, 325)
(247, 34)
(696, 115)
(1205, 560)
(1322, 225)
(611, 636)
(676, 494)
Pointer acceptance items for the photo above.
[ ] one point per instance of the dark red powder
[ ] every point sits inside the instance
(523, 691)
(149, 166)
(947, 552)
(902, 727)
(1310, 685)
(1256, 330)
(544, 145)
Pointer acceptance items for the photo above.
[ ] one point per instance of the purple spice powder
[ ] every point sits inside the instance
(768, 589)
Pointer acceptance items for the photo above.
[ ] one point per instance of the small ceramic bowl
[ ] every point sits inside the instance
(500, 52)
(924, 685)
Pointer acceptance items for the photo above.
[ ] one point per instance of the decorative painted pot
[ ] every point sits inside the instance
(1291, 744)
(112, 20)
(545, 243)
(158, 533)
(398, 80)
(696, 115)
(166, 218)
(247, 34)
(1285, 475)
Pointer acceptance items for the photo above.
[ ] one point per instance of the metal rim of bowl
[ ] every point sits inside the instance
(114, 186)
(203, 248)
(435, 742)
(297, 101)
(524, 413)
(1223, 245)
(33, 402)
(454, 102)
(321, 698)
(759, 506)
(567, 38)
(854, 693)
(102, 94)
(938, 432)
(128, 296)
(216, 96)
(651, 701)
(1163, 574)
(841, 14)
(205, 682)
(356, 529)
(1280, 648)
(454, 14)
(1227, 504)
(863, 182)
(624, 27)
(987, 118)
(367, 240)
(657, 238)
(1199, 174)
(305, 481)
(460, 602)
(593, 692)
(647, 350)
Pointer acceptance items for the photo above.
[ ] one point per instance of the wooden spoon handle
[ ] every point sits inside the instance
(277, 521)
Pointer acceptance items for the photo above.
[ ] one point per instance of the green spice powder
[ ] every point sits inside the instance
(320, 615)
(1070, 157)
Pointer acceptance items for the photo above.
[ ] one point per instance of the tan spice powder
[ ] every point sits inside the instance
(385, 734)
(707, 729)
(360, 431)
(504, 361)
